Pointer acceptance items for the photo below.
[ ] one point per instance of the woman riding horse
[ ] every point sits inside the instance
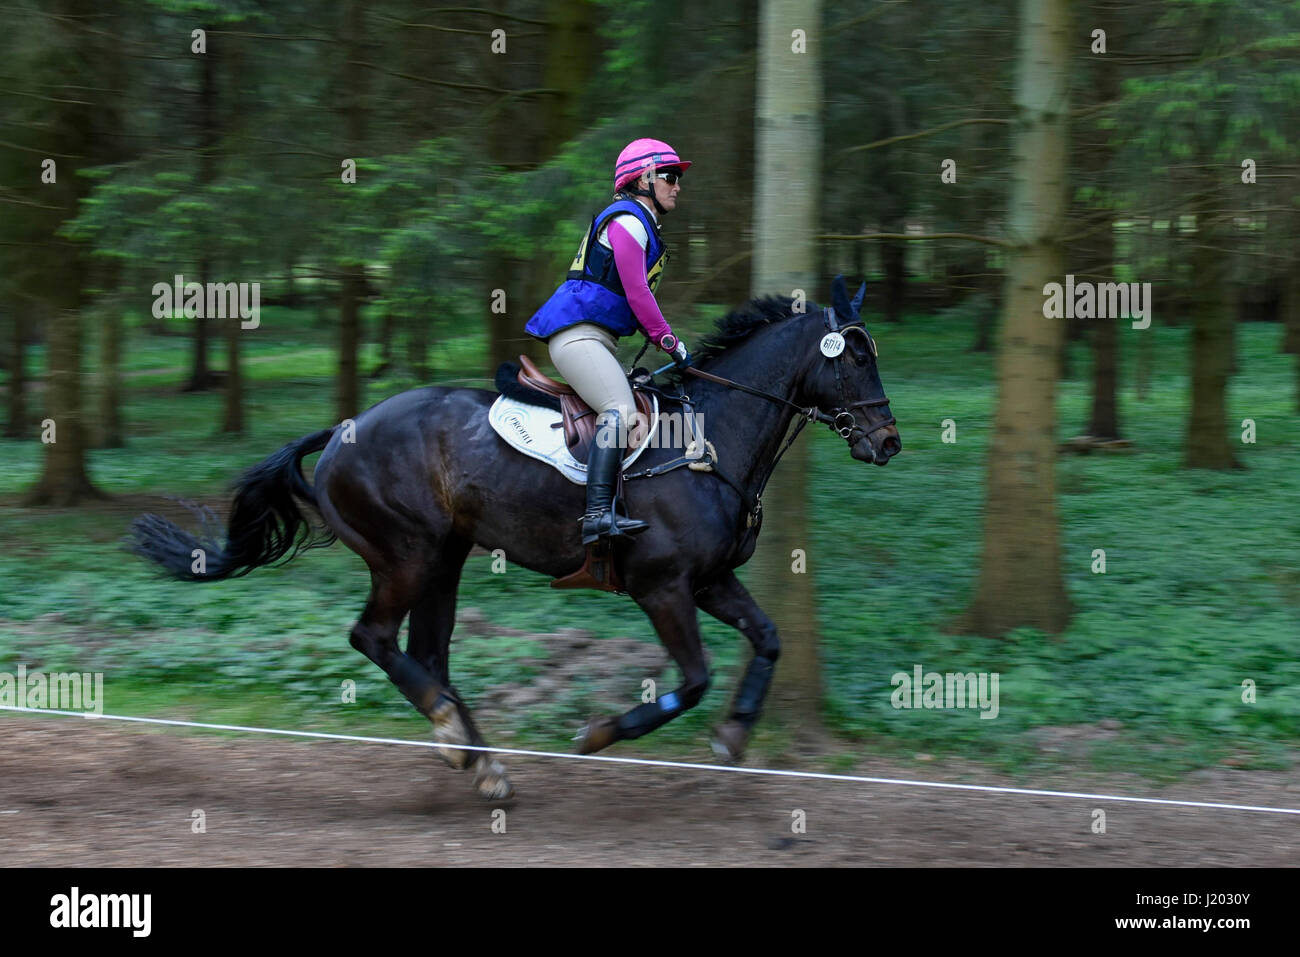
(609, 292)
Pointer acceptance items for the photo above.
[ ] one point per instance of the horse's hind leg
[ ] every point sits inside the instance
(375, 636)
(728, 601)
(432, 621)
(672, 612)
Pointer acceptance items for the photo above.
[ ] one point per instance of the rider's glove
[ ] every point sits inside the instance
(677, 349)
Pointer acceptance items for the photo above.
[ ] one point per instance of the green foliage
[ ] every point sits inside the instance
(1201, 590)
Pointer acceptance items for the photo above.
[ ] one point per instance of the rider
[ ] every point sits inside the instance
(609, 292)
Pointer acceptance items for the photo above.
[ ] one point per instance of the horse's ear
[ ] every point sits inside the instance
(840, 299)
(857, 299)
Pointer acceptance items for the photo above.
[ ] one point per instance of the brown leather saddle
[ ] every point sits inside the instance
(579, 423)
(578, 418)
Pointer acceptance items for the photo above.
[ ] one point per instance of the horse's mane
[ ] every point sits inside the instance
(739, 324)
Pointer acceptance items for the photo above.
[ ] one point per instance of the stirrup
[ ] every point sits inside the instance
(609, 525)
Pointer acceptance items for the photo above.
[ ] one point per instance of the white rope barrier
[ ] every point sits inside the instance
(648, 762)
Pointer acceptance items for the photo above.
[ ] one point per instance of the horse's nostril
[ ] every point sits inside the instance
(892, 446)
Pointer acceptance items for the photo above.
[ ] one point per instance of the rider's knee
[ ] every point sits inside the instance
(627, 418)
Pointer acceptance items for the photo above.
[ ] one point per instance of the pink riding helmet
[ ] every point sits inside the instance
(643, 154)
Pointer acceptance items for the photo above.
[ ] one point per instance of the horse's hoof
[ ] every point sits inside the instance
(448, 728)
(729, 740)
(491, 781)
(599, 734)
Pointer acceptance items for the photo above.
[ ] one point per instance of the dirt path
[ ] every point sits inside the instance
(74, 793)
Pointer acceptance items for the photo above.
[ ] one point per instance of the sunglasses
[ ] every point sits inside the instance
(672, 178)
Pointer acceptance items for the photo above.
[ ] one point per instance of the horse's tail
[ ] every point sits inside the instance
(265, 524)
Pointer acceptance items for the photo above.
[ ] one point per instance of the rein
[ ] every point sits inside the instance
(812, 413)
(754, 503)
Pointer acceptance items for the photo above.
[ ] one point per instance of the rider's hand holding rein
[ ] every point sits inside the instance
(677, 349)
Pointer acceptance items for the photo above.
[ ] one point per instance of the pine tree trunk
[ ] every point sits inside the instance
(16, 421)
(789, 596)
(1212, 343)
(351, 290)
(569, 60)
(506, 134)
(111, 432)
(893, 256)
(505, 328)
(1291, 313)
(201, 377)
(232, 419)
(387, 327)
(1291, 308)
(1144, 368)
(1021, 582)
(786, 206)
(63, 480)
(353, 285)
(1104, 421)
(567, 68)
(725, 220)
(985, 327)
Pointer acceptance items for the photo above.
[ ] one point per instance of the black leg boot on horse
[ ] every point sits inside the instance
(602, 520)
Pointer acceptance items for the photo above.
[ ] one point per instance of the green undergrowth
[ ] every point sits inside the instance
(1201, 590)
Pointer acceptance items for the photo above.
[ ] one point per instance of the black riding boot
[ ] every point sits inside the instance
(603, 462)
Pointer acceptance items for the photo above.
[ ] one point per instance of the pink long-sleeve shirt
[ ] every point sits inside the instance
(629, 257)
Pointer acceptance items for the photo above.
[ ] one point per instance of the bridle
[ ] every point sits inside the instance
(844, 409)
(840, 418)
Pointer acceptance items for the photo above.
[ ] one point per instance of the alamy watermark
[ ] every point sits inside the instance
(59, 691)
(218, 300)
(668, 430)
(76, 910)
(930, 689)
(1105, 300)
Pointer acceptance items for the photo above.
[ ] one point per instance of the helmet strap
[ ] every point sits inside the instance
(639, 191)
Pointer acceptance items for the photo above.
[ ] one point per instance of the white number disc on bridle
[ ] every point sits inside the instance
(832, 344)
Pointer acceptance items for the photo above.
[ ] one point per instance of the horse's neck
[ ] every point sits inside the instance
(747, 430)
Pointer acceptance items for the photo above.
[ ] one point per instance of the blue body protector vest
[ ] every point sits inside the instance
(593, 291)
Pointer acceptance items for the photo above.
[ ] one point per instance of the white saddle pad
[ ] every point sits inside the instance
(528, 428)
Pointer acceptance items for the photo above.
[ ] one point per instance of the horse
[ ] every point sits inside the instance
(423, 478)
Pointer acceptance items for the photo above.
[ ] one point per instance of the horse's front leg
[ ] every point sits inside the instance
(729, 602)
(672, 612)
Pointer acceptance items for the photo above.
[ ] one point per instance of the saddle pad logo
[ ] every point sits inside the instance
(517, 423)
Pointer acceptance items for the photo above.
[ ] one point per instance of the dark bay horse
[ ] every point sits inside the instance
(423, 478)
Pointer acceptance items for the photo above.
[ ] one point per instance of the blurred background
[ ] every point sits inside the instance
(1104, 515)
